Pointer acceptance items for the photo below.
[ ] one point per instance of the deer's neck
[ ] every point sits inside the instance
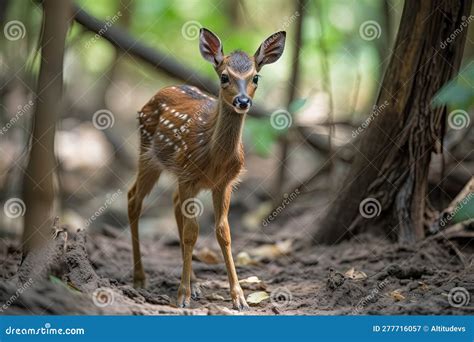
(227, 132)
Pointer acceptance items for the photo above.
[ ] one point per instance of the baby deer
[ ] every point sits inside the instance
(198, 138)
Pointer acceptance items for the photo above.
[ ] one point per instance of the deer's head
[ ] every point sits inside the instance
(238, 72)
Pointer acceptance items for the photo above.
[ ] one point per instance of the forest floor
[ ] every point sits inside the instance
(365, 275)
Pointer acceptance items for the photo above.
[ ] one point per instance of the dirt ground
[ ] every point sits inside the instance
(365, 275)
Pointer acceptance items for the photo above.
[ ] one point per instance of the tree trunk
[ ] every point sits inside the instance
(38, 187)
(292, 88)
(386, 188)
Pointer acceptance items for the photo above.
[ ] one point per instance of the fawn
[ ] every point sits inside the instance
(198, 138)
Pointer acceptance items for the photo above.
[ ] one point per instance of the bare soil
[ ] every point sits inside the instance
(365, 275)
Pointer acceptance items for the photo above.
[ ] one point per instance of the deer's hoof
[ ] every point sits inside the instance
(139, 282)
(184, 298)
(239, 303)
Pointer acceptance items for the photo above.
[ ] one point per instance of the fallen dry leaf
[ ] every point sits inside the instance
(207, 256)
(253, 284)
(244, 259)
(257, 297)
(251, 280)
(397, 295)
(272, 251)
(355, 275)
(253, 220)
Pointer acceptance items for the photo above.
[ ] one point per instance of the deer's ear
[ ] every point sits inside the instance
(270, 50)
(211, 47)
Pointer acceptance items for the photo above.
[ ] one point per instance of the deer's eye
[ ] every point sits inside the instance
(255, 79)
(224, 79)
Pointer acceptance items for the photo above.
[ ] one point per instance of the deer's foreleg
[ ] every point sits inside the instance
(221, 200)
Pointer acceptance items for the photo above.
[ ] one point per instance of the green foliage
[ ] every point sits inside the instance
(55, 280)
(466, 210)
(261, 134)
(296, 105)
(159, 24)
(458, 93)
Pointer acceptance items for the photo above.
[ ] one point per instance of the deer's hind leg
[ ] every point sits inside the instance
(195, 288)
(146, 178)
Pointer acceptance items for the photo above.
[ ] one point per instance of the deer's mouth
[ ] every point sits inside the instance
(240, 110)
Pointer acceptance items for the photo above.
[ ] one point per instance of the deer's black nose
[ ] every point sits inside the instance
(242, 102)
